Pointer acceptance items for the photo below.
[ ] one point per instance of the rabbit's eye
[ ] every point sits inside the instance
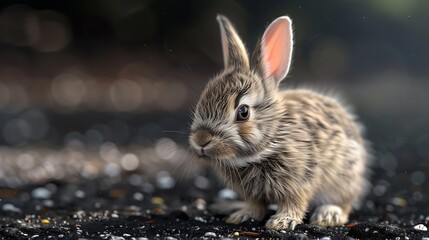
(243, 113)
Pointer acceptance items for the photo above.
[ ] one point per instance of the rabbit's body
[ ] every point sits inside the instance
(293, 148)
(318, 157)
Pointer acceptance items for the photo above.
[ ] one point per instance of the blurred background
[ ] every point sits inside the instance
(104, 88)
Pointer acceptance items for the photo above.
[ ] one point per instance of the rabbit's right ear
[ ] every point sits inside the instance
(275, 52)
(234, 52)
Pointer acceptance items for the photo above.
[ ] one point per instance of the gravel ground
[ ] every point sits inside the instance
(100, 209)
(122, 186)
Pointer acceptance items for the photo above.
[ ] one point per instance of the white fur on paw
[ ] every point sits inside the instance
(282, 221)
(328, 216)
(238, 217)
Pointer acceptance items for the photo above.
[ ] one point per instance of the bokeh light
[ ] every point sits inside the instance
(106, 90)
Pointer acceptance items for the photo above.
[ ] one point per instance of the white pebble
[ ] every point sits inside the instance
(202, 182)
(209, 234)
(80, 194)
(130, 162)
(9, 207)
(227, 193)
(421, 227)
(138, 196)
(164, 180)
(41, 193)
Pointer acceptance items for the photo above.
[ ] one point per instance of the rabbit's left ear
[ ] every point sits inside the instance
(276, 49)
(234, 52)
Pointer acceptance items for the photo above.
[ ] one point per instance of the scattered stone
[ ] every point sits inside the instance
(299, 236)
(9, 207)
(80, 194)
(41, 193)
(138, 196)
(45, 221)
(227, 193)
(236, 234)
(79, 214)
(400, 202)
(201, 182)
(157, 200)
(210, 234)
(48, 203)
(420, 227)
(200, 204)
(164, 180)
(170, 238)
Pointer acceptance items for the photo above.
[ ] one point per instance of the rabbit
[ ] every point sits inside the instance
(296, 148)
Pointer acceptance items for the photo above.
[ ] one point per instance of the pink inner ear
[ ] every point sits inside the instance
(277, 49)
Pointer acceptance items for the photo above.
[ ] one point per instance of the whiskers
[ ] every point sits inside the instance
(239, 177)
(174, 131)
(186, 165)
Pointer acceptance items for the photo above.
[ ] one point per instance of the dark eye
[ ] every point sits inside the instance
(243, 113)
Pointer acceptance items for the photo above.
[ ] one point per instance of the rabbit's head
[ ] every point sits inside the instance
(236, 112)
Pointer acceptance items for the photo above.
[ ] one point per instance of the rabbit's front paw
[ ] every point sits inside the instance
(282, 221)
(328, 216)
(239, 216)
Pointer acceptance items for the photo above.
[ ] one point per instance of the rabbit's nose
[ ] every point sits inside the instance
(202, 137)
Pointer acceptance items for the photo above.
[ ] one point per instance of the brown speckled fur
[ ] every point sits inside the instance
(299, 149)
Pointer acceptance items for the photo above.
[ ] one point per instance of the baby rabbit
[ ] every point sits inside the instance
(295, 148)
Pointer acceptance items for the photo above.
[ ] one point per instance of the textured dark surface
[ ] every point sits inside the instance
(94, 210)
(95, 99)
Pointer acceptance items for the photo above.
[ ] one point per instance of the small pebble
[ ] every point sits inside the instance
(48, 203)
(164, 180)
(114, 215)
(421, 227)
(201, 182)
(209, 234)
(227, 193)
(236, 234)
(158, 201)
(44, 221)
(325, 238)
(400, 202)
(299, 236)
(9, 207)
(41, 193)
(200, 219)
(138, 196)
(200, 204)
(80, 194)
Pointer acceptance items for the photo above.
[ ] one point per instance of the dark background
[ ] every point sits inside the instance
(90, 88)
